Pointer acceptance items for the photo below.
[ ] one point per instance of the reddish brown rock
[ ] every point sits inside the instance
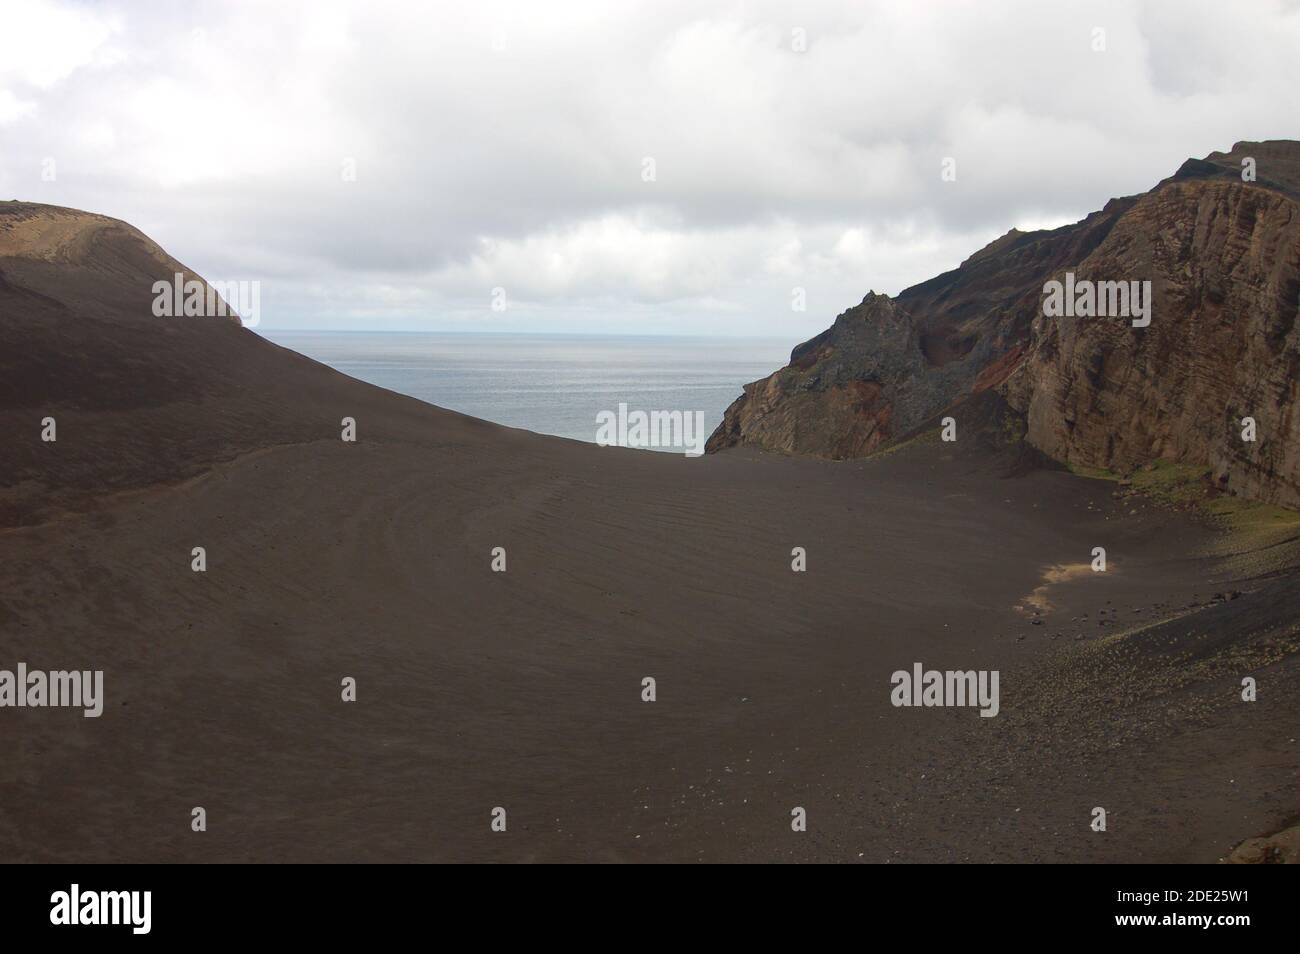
(1224, 261)
(1223, 257)
(1280, 848)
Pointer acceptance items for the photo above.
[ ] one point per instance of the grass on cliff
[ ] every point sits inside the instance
(1250, 525)
(1093, 473)
(1181, 485)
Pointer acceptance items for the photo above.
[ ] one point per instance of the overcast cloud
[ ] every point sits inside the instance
(503, 145)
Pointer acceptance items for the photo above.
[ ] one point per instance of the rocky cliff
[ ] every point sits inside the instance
(1223, 259)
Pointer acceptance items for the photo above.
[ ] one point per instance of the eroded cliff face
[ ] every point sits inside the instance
(888, 365)
(1223, 259)
(844, 393)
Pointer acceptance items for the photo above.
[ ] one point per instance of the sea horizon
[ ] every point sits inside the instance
(554, 383)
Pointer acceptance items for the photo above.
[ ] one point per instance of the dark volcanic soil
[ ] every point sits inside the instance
(522, 689)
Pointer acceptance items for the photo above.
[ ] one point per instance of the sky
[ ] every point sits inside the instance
(615, 167)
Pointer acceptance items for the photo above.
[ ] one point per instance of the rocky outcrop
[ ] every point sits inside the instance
(1280, 848)
(1223, 257)
(844, 393)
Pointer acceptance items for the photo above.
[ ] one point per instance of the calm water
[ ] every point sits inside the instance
(552, 384)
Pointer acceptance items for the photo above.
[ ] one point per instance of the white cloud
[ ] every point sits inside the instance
(500, 144)
(12, 108)
(44, 42)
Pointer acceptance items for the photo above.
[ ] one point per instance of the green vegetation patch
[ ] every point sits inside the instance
(1177, 485)
(1093, 473)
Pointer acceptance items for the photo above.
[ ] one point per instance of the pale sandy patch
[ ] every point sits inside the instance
(1052, 575)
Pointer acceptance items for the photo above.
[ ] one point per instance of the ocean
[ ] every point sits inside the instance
(550, 383)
